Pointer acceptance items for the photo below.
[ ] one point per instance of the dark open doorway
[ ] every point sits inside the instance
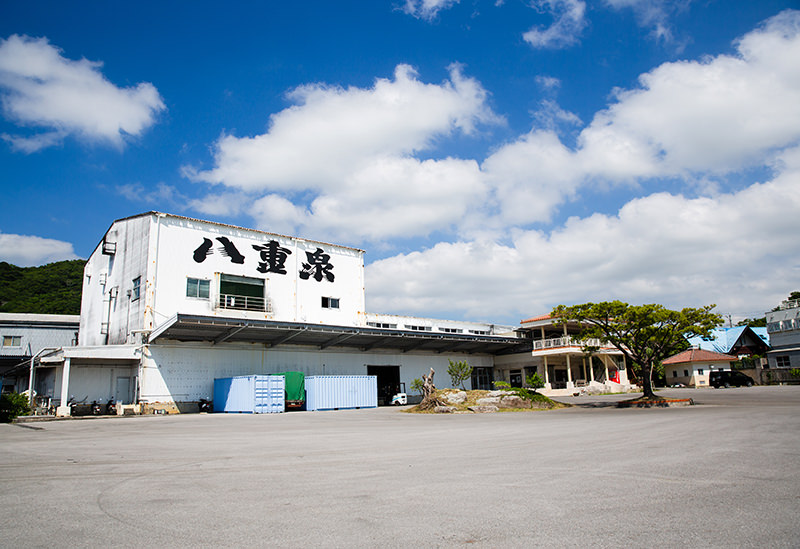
(388, 382)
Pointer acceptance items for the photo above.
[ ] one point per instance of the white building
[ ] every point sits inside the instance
(783, 326)
(171, 303)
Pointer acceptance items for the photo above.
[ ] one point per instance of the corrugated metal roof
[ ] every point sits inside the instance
(183, 327)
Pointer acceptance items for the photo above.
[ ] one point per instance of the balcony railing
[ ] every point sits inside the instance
(567, 341)
(244, 303)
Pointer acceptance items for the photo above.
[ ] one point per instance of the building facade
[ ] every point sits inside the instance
(783, 326)
(24, 336)
(171, 303)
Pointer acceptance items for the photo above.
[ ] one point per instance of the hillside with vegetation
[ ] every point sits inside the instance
(54, 288)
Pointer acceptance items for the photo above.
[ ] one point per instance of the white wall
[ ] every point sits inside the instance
(160, 249)
(106, 274)
(186, 372)
(292, 298)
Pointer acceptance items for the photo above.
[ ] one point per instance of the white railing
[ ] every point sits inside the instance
(567, 341)
(244, 303)
(790, 304)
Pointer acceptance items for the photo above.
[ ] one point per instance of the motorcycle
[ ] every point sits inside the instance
(73, 404)
(111, 407)
(204, 405)
(96, 408)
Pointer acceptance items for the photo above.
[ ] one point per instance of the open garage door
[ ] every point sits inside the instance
(388, 382)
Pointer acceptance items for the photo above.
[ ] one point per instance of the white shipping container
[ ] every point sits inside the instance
(341, 392)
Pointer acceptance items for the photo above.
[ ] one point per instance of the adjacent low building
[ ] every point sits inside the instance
(24, 336)
(693, 366)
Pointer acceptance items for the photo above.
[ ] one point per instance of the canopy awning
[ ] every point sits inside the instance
(271, 333)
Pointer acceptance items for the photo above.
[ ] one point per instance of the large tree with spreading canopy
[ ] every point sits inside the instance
(645, 334)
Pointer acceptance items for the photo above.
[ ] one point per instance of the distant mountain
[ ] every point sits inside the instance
(54, 288)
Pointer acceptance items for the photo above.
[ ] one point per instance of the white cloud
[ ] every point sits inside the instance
(738, 250)
(654, 14)
(426, 9)
(565, 31)
(351, 151)
(689, 119)
(42, 89)
(27, 251)
(720, 114)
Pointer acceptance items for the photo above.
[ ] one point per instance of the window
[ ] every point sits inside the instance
(782, 361)
(686, 373)
(382, 325)
(330, 302)
(242, 293)
(674, 373)
(700, 371)
(479, 332)
(137, 285)
(12, 341)
(451, 330)
(196, 287)
(418, 328)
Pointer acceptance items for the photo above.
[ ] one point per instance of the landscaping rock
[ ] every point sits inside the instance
(455, 398)
(445, 409)
(514, 401)
(483, 409)
(489, 401)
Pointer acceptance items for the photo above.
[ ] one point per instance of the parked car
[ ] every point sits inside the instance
(726, 378)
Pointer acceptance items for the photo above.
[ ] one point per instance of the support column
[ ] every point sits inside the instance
(591, 368)
(605, 365)
(63, 409)
(546, 375)
(570, 384)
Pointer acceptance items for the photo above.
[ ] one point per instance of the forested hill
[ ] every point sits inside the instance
(54, 288)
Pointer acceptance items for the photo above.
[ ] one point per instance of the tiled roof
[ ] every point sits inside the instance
(535, 318)
(698, 355)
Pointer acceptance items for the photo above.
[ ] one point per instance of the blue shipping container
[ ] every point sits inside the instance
(251, 394)
(340, 392)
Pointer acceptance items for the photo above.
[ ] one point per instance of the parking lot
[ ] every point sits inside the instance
(721, 473)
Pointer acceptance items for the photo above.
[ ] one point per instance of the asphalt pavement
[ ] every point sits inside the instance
(722, 473)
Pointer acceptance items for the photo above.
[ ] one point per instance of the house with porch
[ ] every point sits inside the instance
(565, 363)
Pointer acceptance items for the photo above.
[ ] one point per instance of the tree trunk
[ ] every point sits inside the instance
(429, 400)
(647, 381)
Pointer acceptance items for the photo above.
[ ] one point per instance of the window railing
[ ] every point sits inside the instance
(567, 341)
(244, 303)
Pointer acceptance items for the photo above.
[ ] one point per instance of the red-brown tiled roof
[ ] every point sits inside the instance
(698, 355)
(534, 319)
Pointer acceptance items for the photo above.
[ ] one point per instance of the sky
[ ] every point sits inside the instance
(494, 158)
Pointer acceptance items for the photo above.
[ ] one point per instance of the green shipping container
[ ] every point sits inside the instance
(295, 388)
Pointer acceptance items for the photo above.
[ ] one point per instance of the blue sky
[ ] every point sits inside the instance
(495, 159)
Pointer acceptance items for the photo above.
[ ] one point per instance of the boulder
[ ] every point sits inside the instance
(444, 409)
(455, 398)
(483, 409)
(514, 401)
(489, 401)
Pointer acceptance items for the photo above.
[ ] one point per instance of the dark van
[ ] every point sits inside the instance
(719, 379)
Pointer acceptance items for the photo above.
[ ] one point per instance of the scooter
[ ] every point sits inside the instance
(111, 407)
(96, 408)
(73, 404)
(204, 405)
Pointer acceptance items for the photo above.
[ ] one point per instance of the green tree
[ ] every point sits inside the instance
(645, 334)
(534, 381)
(54, 288)
(459, 372)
